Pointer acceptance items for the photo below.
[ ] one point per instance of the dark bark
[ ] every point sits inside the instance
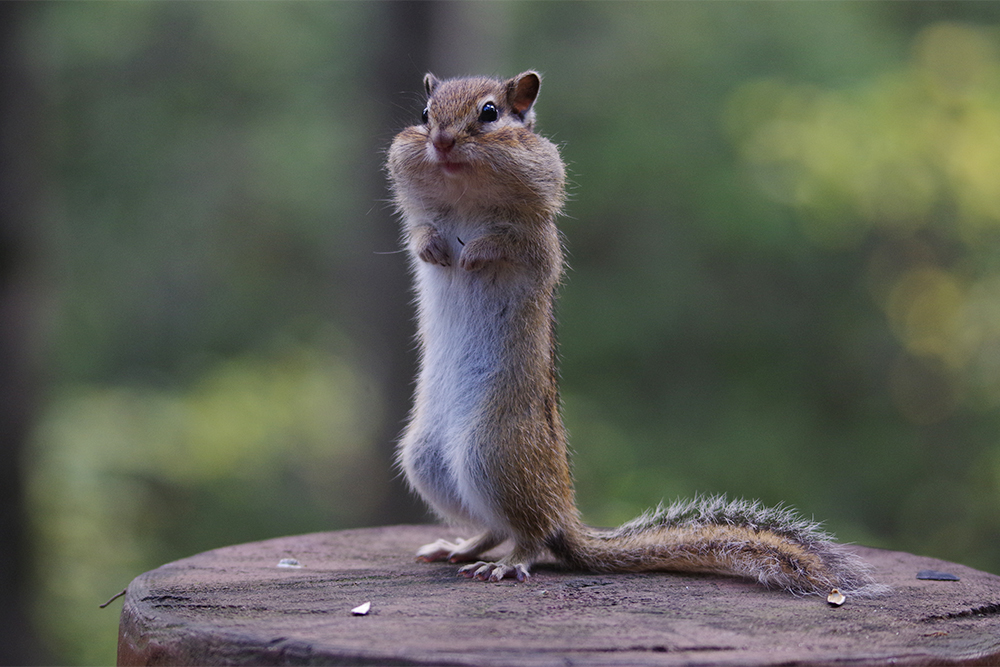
(18, 390)
(381, 290)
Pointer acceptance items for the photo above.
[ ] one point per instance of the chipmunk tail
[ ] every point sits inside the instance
(771, 545)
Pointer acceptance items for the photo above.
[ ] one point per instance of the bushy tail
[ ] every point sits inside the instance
(774, 546)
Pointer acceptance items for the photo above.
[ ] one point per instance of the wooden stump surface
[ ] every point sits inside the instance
(235, 605)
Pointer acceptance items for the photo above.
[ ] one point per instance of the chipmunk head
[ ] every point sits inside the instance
(475, 147)
(475, 110)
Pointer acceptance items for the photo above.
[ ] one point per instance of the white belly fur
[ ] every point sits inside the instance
(462, 321)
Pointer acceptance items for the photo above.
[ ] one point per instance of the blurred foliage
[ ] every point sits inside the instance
(784, 283)
(130, 476)
(909, 164)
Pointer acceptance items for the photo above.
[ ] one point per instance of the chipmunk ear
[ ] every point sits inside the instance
(430, 83)
(522, 91)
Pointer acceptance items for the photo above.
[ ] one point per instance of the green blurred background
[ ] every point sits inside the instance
(783, 234)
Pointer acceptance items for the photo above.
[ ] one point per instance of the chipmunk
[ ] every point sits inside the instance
(478, 192)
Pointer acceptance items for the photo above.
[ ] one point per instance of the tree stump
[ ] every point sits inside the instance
(237, 605)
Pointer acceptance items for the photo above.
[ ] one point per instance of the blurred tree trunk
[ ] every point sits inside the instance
(18, 192)
(381, 293)
(406, 51)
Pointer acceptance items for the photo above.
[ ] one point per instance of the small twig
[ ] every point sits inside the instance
(117, 595)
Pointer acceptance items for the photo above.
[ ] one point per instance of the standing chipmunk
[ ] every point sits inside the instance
(478, 192)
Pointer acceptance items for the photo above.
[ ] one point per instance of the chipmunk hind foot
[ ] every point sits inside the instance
(515, 565)
(460, 551)
(496, 571)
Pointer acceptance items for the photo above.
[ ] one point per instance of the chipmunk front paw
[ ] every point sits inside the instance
(431, 247)
(480, 253)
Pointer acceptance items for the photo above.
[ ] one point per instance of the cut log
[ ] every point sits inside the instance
(290, 600)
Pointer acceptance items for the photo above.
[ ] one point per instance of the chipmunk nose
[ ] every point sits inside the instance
(443, 142)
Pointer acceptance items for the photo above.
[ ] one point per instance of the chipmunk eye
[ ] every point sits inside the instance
(489, 113)
(425, 116)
